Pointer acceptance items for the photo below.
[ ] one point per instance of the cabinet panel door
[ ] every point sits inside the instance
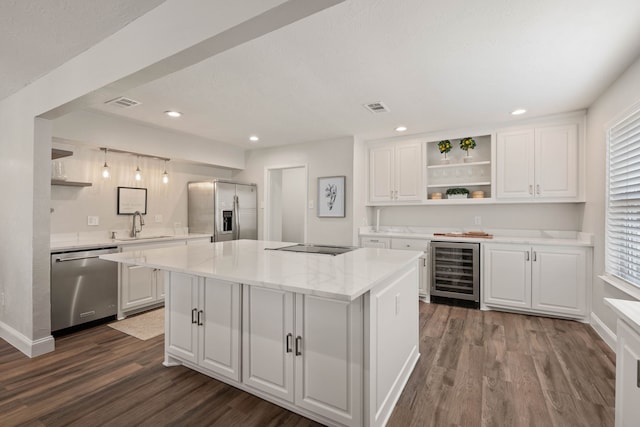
(556, 161)
(369, 242)
(159, 278)
(329, 365)
(515, 164)
(137, 287)
(182, 333)
(267, 360)
(381, 173)
(219, 341)
(408, 172)
(627, 376)
(559, 280)
(507, 275)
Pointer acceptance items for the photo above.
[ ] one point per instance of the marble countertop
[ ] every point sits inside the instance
(344, 277)
(627, 310)
(93, 242)
(527, 237)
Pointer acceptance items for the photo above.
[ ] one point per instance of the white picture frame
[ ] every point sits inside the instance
(331, 196)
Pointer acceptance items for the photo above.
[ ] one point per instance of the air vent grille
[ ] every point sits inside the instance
(123, 102)
(376, 107)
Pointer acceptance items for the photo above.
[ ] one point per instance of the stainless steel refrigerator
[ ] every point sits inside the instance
(226, 210)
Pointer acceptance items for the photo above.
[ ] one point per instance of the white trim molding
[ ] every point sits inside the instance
(622, 285)
(603, 331)
(28, 347)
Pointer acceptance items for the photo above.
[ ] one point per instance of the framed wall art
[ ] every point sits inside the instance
(331, 197)
(132, 199)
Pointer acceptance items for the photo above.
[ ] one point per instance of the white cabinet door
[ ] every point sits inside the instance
(507, 275)
(328, 362)
(627, 376)
(181, 338)
(219, 334)
(159, 279)
(559, 280)
(515, 164)
(381, 173)
(375, 242)
(556, 162)
(408, 172)
(138, 286)
(267, 354)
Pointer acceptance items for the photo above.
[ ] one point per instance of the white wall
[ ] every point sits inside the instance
(116, 132)
(134, 55)
(548, 216)
(323, 158)
(293, 204)
(72, 205)
(618, 98)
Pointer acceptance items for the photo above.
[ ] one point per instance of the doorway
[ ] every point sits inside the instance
(285, 211)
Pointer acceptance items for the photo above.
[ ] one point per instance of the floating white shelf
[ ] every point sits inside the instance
(460, 184)
(457, 165)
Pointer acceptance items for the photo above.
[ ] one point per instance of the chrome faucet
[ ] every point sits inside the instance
(134, 230)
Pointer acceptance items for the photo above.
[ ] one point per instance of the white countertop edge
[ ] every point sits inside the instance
(59, 246)
(270, 285)
(583, 239)
(628, 311)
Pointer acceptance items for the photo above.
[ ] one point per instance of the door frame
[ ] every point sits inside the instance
(266, 218)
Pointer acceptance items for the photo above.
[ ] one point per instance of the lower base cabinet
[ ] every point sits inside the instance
(306, 350)
(627, 376)
(539, 279)
(203, 320)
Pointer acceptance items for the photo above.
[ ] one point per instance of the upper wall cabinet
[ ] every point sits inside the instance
(395, 172)
(539, 163)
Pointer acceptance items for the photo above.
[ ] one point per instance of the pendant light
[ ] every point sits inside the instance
(105, 169)
(138, 172)
(165, 175)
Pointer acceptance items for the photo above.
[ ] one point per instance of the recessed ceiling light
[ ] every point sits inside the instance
(254, 138)
(518, 112)
(173, 113)
(401, 128)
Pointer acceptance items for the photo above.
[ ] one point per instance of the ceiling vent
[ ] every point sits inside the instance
(376, 107)
(123, 102)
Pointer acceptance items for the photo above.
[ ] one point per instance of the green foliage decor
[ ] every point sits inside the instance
(467, 144)
(444, 146)
(457, 190)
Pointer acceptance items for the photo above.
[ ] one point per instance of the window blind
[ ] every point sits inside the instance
(622, 258)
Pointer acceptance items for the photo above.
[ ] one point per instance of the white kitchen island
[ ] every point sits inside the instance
(333, 338)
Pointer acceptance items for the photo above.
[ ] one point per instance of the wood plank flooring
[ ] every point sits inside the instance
(477, 369)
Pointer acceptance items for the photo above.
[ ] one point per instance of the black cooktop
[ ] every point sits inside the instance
(316, 249)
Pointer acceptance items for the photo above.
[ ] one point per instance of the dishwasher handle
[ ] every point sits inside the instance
(76, 258)
(80, 255)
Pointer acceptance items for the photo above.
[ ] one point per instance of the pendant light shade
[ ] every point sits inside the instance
(105, 169)
(138, 171)
(165, 175)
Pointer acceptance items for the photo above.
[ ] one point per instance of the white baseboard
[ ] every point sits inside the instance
(605, 333)
(29, 347)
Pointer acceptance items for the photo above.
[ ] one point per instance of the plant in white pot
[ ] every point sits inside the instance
(467, 144)
(457, 193)
(444, 147)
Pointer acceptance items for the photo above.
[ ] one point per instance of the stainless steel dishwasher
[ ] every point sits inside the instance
(84, 288)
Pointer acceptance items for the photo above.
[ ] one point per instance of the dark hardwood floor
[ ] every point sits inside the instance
(477, 369)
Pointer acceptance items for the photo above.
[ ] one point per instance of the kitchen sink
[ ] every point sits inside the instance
(141, 238)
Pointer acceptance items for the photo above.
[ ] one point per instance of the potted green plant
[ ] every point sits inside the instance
(444, 147)
(457, 193)
(467, 144)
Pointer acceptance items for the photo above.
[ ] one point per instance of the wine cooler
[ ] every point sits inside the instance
(455, 273)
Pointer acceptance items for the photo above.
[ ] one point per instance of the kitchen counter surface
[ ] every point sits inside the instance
(344, 277)
(93, 242)
(527, 237)
(627, 310)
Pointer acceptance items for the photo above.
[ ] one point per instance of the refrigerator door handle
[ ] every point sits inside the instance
(236, 209)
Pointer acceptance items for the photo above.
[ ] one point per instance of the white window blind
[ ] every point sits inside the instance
(623, 200)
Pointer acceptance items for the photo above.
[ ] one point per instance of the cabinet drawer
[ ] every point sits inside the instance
(410, 244)
(375, 242)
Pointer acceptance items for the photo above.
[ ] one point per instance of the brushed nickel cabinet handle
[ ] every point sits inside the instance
(537, 188)
(526, 256)
(531, 189)
(194, 314)
(288, 342)
(200, 317)
(535, 257)
(638, 375)
(298, 345)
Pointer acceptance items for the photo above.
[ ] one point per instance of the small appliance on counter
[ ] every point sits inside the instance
(227, 210)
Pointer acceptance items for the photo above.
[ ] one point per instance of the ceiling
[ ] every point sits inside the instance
(37, 36)
(436, 65)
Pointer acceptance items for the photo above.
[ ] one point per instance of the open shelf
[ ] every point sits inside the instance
(70, 183)
(461, 184)
(457, 165)
(57, 153)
